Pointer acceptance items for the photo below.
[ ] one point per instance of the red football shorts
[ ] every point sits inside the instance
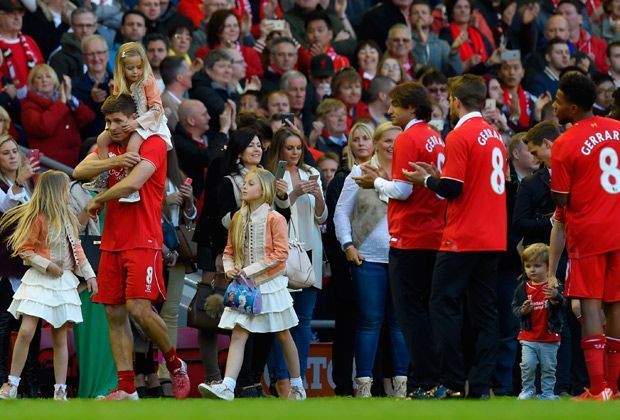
(130, 274)
(594, 277)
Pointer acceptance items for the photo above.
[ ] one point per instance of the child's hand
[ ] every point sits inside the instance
(527, 307)
(93, 288)
(130, 125)
(128, 160)
(232, 273)
(54, 270)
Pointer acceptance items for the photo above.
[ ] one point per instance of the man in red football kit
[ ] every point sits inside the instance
(586, 183)
(473, 181)
(416, 221)
(130, 269)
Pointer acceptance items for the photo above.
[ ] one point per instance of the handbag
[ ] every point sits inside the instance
(242, 295)
(298, 265)
(90, 245)
(206, 307)
(170, 236)
(188, 249)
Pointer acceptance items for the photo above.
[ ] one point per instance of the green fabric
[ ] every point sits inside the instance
(92, 346)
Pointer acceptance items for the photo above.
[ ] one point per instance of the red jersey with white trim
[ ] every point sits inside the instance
(586, 165)
(476, 157)
(418, 221)
(137, 225)
(539, 328)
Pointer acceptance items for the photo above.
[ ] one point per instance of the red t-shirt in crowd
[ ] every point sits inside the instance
(586, 165)
(137, 225)
(418, 221)
(539, 331)
(475, 156)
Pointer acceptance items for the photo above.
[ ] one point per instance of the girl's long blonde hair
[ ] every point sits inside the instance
(128, 50)
(239, 222)
(49, 198)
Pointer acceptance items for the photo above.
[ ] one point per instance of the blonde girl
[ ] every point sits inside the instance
(258, 248)
(133, 76)
(46, 238)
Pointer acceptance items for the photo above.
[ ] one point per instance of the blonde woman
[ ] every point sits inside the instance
(133, 76)
(53, 117)
(362, 230)
(5, 122)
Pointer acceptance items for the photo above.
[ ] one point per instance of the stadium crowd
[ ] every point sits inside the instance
(407, 145)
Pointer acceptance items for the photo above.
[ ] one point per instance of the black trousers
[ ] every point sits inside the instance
(257, 349)
(411, 275)
(466, 278)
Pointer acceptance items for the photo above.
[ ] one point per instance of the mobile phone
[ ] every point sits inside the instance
(287, 116)
(490, 104)
(280, 169)
(313, 178)
(188, 181)
(510, 55)
(276, 24)
(35, 154)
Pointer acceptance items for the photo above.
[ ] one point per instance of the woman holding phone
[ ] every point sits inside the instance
(308, 212)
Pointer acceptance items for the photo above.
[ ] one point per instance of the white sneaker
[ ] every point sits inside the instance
(399, 383)
(526, 395)
(363, 387)
(216, 391)
(60, 395)
(134, 197)
(8, 391)
(297, 393)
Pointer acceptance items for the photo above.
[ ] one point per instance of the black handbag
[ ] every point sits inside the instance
(205, 309)
(91, 245)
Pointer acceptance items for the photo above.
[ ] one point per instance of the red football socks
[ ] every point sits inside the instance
(172, 361)
(594, 354)
(126, 381)
(612, 362)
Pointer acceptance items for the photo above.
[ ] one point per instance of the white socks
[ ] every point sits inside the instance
(60, 386)
(14, 380)
(297, 382)
(230, 383)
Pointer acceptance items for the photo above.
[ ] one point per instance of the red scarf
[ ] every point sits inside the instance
(9, 60)
(524, 106)
(475, 45)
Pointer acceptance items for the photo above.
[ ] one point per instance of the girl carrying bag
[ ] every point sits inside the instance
(244, 296)
(298, 265)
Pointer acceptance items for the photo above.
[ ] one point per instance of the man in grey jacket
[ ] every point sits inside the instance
(428, 48)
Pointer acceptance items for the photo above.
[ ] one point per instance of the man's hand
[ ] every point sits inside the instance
(98, 95)
(92, 285)
(552, 281)
(128, 160)
(421, 170)
(54, 270)
(93, 208)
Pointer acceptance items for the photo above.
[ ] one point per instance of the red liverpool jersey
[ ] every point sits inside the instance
(586, 165)
(418, 221)
(475, 156)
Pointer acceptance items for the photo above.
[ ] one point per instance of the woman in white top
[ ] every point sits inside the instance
(362, 230)
(308, 211)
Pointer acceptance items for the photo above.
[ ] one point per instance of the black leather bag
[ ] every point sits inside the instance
(91, 245)
(205, 309)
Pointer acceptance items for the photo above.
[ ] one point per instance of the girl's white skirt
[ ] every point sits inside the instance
(55, 300)
(277, 315)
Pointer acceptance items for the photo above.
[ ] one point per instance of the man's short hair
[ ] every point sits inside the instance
(612, 45)
(434, 77)
(90, 38)
(578, 89)
(415, 95)
(170, 68)
(578, 5)
(471, 90)
(318, 15)
(516, 142)
(119, 103)
(82, 11)
(552, 43)
(156, 36)
(599, 78)
(379, 84)
(424, 2)
(281, 40)
(544, 130)
(328, 105)
(290, 75)
(133, 12)
(216, 56)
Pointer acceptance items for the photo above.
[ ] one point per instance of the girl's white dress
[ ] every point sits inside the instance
(277, 313)
(55, 300)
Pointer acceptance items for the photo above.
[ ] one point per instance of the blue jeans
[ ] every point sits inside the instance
(374, 305)
(532, 354)
(303, 303)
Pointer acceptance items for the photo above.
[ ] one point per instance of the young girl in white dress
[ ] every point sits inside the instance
(46, 238)
(258, 248)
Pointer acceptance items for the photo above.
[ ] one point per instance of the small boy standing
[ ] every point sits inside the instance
(539, 309)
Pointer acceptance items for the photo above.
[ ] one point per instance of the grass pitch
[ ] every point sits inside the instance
(315, 409)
